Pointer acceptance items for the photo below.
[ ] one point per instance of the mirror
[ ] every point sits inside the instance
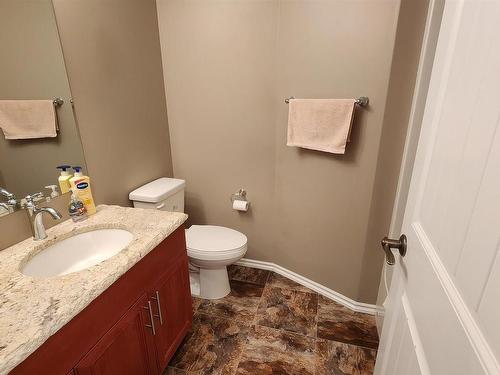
(32, 67)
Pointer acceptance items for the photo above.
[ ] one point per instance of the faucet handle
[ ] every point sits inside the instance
(32, 198)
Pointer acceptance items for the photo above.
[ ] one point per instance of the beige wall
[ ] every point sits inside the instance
(409, 36)
(112, 54)
(218, 67)
(228, 66)
(32, 67)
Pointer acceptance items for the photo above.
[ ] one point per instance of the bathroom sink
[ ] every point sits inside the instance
(77, 252)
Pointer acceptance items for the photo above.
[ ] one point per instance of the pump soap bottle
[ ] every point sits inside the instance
(54, 192)
(81, 187)
(64, 178)
(76, 208)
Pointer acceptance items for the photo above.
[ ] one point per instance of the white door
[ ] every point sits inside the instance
(443, 314)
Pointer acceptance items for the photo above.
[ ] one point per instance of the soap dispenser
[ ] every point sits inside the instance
(76, 208)
(64, 184)
(54, 192)
(80, 185)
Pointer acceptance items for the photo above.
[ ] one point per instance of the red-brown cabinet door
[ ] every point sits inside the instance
(127, 348)
(172, 297)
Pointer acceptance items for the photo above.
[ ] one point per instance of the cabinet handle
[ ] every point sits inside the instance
(157, 299)
(152, 325)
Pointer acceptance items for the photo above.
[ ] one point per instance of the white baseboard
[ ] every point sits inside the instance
(318, 288)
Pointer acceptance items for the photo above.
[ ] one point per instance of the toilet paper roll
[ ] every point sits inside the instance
(240, 205)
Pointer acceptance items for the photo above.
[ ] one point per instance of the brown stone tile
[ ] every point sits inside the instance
(289, 310)
(187, 354)
(240, 304)
(270, 351)
(338, 323)
(196, 303)
(224, 344)
(248, 275)
(336, 358)
(213, 346)
(278, 281)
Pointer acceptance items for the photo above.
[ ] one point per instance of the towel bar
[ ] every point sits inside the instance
(362, 101)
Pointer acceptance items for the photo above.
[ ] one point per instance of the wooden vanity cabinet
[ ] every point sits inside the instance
(125, 349)
(173, 319)
(114, 334)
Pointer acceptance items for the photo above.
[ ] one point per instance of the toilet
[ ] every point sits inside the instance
(210, 248)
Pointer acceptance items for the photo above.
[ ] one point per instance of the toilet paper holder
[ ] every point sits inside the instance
(240, 195)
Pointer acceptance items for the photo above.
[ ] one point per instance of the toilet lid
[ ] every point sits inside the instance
(212, 238)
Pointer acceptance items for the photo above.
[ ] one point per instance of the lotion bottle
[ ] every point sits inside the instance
(81, 187)
(64, 178)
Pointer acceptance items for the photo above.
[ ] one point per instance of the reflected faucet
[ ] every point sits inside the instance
(36, 216)
(11, 199)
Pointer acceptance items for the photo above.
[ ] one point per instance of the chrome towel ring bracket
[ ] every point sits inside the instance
(58, 102)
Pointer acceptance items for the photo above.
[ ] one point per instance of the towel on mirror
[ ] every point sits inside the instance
(27, 119)
(320, 124)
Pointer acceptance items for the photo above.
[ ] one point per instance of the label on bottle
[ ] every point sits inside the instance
(82, 185)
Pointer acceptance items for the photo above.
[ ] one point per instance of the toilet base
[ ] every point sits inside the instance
(211, 283)
(194, 283)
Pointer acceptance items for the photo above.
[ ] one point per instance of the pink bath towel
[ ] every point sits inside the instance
(320, 124)
(26, 119)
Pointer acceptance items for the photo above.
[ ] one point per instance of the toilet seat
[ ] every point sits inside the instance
(211, 242)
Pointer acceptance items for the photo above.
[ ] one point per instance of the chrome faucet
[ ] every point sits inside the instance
(11, 202)
(36, 216)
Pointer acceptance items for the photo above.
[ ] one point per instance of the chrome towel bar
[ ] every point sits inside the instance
(362, 101)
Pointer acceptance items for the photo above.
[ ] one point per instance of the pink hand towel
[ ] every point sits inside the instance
(320, 124)
(26, 119)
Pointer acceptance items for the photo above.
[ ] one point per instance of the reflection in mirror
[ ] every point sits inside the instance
(32, 67)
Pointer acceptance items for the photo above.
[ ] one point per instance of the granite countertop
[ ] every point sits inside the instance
(32, 309)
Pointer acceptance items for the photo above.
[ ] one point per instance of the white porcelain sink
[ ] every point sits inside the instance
(77, 252)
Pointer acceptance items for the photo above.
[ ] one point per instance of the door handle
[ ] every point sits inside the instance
(157, 299)
(152, 325)
(389, 243)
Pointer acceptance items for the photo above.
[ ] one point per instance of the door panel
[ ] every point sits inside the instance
(125, 349)
(443, 312)
(434, 301)
(454, 201)
(483, 232)
(176, 311)
(403, 353)
(489, 307)
(404, 350)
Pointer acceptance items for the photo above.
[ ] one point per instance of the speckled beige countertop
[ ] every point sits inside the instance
(33, 309)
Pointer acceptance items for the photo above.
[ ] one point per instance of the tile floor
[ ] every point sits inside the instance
(269, 324)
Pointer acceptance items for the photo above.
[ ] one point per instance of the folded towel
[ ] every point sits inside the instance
(320, 124)
(26, 119)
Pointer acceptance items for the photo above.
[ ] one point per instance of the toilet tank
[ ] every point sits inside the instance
(166, 194)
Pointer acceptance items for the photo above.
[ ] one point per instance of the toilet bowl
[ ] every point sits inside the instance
(210, 248)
